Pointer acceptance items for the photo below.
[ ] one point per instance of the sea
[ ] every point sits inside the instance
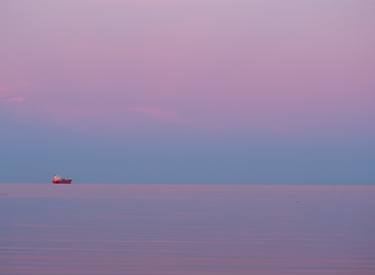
(187, 229)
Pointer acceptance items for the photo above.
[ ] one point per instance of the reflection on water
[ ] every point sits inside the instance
(186, 229)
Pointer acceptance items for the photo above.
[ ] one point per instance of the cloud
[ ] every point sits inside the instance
(16, 99)
(7, 97)
(155, 113)
(12, 99)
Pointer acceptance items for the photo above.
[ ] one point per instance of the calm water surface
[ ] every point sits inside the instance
(186, 229)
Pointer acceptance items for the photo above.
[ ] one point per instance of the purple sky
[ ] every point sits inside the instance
(262, 91)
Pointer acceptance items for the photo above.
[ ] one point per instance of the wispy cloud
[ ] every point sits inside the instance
(12, 99)
(7, 96)
(155, 113)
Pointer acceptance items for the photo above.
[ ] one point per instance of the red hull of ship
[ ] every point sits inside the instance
(62, 181)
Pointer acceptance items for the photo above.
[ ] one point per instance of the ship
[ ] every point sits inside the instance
(60, 180)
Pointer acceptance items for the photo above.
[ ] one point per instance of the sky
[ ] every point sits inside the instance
(188, 91)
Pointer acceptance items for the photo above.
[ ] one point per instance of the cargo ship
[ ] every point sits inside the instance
(60, 180)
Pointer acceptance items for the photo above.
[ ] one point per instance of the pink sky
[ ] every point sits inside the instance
(295, 69)
(253, 64)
